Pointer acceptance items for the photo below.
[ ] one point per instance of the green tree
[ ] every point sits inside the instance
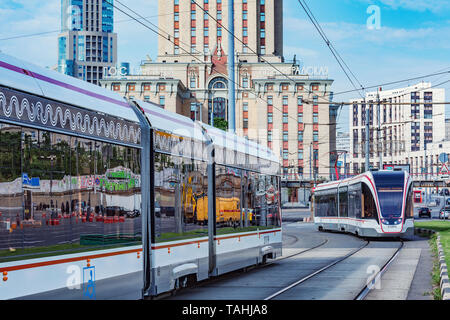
(221, 124)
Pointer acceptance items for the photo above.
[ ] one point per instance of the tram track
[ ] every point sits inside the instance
(211, 281)
(367, 288)
(278, 293)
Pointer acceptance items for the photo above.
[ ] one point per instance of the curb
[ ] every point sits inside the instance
(445, 284)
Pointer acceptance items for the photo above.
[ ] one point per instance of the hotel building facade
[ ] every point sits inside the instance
(277, 104)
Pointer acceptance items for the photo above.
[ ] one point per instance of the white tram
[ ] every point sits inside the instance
(372, 204)
(101, 198)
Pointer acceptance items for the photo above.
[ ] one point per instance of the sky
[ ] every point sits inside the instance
(409, 38)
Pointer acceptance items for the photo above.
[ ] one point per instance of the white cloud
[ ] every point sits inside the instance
(22, 17)
(351, 34)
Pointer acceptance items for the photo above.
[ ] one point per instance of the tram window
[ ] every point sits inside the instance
(228, 199)
(368, 204)
(68, 183)
(273, 214)
(343, 203)
(409, 213)
(10, 186)
(332, 208)
(182, 198)
(354, 202)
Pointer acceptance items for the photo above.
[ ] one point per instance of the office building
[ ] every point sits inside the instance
(87, 44)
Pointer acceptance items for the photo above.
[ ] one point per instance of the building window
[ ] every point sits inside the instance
(300, 136)
(245, 106)
(285, 118)
(269, 136)
(270, 100)
(285, 136)
(315, 100)
(300, 100)
(285, 100)
(315, 118)
(300, 154)
(245, 82)
(270, 117)
(300, 117)
(285, 154)
(192, 83)
(162, 100)
(315, 136)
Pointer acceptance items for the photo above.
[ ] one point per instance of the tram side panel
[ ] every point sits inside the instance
(179, 239)
(69, 209)
(352, 209)
(248, 232)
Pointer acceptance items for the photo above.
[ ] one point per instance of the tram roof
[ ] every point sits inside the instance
(231, 141)
(171, 122)
(25, 76)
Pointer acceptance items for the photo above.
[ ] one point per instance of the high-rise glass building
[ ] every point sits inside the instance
(87, 44)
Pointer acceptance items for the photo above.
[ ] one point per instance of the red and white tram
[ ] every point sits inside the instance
(372, 204)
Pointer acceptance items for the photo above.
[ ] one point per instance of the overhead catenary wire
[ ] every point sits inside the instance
(333, 50)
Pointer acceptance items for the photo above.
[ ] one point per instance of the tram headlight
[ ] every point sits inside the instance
(384, 221)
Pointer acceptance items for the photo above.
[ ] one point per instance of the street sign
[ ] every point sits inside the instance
(443, 157)
(444, 172)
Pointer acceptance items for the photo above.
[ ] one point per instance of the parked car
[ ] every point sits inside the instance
(157, 209)
(115, 211)
(444, 213)
(424, 212)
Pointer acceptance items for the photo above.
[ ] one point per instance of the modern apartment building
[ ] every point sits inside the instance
(87, 44)
(409, 129)
(276, 104)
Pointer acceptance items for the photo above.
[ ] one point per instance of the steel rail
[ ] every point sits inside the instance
(316, 272)
(368, 287)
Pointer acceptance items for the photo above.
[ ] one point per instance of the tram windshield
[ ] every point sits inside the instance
(390, 193)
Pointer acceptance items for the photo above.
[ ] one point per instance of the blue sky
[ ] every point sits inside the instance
(414, 38)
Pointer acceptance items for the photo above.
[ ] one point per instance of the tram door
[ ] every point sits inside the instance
(343, 207)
